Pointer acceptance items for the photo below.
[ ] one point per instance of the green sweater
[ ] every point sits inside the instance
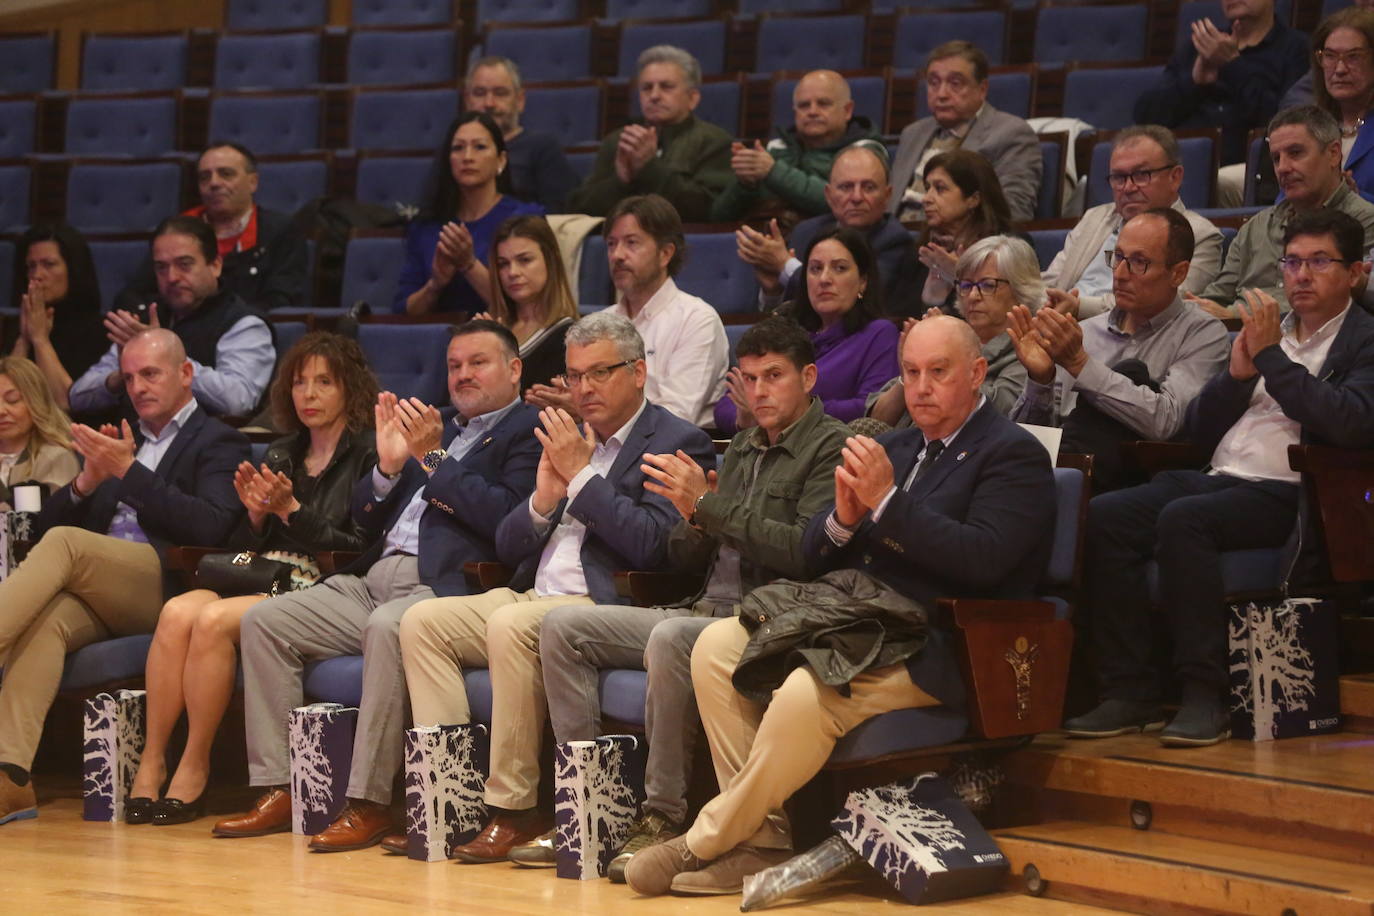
(692, 166)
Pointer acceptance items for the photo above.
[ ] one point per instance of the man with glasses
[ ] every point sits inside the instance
(960, 117)
(589, 516)
(1144, 173)
(1305, 144)
(1305, 377)
(1129, 373)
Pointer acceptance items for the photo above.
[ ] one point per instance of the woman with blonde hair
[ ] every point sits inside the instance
(35, 433)
(531, 296)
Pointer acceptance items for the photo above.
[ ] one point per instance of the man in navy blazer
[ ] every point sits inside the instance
(589, 516)
(1308, 377)
(98, 570)
(963, 504)
(443, 481)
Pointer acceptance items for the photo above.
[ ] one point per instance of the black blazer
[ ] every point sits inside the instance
(188, 501)
(979, 524)
(467, 500)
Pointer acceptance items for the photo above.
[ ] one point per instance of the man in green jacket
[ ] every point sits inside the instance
(793, 169)
(743, 529)
(669, 153)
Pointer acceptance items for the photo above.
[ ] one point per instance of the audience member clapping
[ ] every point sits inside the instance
(35, 433)
(1343, 67)
(963, 203)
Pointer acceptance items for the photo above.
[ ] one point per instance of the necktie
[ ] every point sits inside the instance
(932, 454)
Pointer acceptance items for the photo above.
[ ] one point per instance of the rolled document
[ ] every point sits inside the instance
(798, 873)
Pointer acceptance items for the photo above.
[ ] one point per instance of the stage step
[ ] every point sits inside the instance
(1153, 872)
(1357, 702)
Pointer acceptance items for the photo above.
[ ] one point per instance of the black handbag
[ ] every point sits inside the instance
(243, 573)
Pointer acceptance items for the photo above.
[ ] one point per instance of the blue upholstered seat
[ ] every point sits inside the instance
(811, 42)
(409, 359)
(527, 10)
(570, 113)
(402, 120)
(594, 274)
(118, 197)
(132, 63)
(27, 62)
(1050, 198)
(290, 60)
(659, 9)
(14, 197)
(335, 680)
(116, 263)
(118, 659)
(393, 180)
(733, 332)
(1084, 33)
(869, 94)
(268, 124)
(264, 15)
(545, 53)
(1011, 91)
(371, 268)
(402, 57)
(704, 40)
(714, 272)
(18, 125)
(921, 32)
(1105, 96)
(402, 12)
(6, 272)
(1047, 244)
(286, 185)
(790, 6)
(1196, 153)
(121, 127)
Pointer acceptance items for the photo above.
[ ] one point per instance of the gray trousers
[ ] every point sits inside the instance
(576, 641)
(344, 615)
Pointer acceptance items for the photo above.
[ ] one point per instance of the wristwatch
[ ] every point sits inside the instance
(433, 458)
(696, 507)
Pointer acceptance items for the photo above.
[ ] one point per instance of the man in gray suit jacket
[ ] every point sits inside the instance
(957, 93)
(1144, 173)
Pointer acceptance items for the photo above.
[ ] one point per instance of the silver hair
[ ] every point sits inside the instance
(606, 325)
(1318, 122)
(671, 54)
(496, 60)
(1016, 261)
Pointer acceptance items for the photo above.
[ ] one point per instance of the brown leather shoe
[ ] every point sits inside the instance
(498, 838)
(397, 842)
(271, 814)
(362, 824)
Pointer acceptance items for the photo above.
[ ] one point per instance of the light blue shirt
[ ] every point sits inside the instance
(124, 524)
(404, 536)
(244, 358)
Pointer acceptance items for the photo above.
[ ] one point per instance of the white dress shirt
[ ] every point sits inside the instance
(124, 522)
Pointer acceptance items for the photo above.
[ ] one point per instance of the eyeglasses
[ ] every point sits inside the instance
(597, 375)
(1318, 263)
(1329, 60)
(1136, 264)
(956, 83)
(986, 286)
(1139, 177)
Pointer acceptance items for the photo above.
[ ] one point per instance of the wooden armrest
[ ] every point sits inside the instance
(484, 575)
(1340, 485)
(1314, 459)
(331, 561)
(967, 612)
(652, 589)
(1163, 456)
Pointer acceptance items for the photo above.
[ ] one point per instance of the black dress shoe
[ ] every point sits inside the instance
(139, 809)
(176, 811)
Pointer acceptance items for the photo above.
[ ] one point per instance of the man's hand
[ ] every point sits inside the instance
(766, 253)
(1242, 366)
(556, 395)
(421, 425)
(569, 449)
(868, 471)
(1063, 302)
(750, 164)
(1215, 309)
(637, 147)
(680, 480)
(735, 390)
(1218, 48)
(549, 487)
(1030, 349)
(109, 452)
(1062, 337)
(1259, 314)
(849, 509)
(392, 448)
(122, 326)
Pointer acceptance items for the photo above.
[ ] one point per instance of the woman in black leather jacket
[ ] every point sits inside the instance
(298, 502)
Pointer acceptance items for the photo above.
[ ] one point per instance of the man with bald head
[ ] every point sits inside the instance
(962, 504)
(98, 571)
(790, 173)
(857, 195)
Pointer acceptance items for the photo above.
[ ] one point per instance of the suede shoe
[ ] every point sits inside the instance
(505, 832)
(652, 871)
(726, 875)
(537, 853)
(396, 842)
(650, 830)
(362, 824)
(1198, 724)
(271, 814)
(17, 802)
(1116, 717)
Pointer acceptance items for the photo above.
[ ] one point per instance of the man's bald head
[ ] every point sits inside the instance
(157, 376)
(858, 190)
(159, 341)
(822, 106)
(942, 370)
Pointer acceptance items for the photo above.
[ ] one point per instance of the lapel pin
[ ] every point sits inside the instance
(961, 456)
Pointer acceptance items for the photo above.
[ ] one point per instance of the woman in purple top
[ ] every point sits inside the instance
(856, 348)
(445, 269)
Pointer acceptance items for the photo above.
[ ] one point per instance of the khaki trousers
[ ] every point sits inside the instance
(498, 629)
(76, 587)
(763, 754)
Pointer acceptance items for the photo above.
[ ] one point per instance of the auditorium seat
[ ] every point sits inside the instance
(920, 32)
(15, 197)
(704, 39)
(133, 63)
(287, 183)
(18, 126)
(6, 274)
(527, 10)
(387, 57)
(1047, 243)
(28, 62)
(392, 181)
(340, 680)
(133, 126)
(714, 272)
(117, 260)
(274, 15)
(733, 332)
(584, 160)
(753, 7)
(570, 112)
(1053, 158)
(372, 265)
(544, 53)
(401, 119)
(122, 658)
(1197, 153)
(869, 92)
(402, 12)
(659, 9)
(594, 273)
(290, 60)
(268, 123)
(1010, 89)
(810, 43)
(122, 197)
(1090, 33)
(410, 360)
(1105, 96)
(288, 332)
(721, 103)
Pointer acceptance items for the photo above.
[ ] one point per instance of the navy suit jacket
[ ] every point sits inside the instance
(627, 526)
(978, 524)
(189, 500)
(467, 499)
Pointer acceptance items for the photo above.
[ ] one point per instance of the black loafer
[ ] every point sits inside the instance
(139, 809)
(176, 811)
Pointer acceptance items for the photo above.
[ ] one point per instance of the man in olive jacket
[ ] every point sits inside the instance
(671, 153)
(743, 529)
